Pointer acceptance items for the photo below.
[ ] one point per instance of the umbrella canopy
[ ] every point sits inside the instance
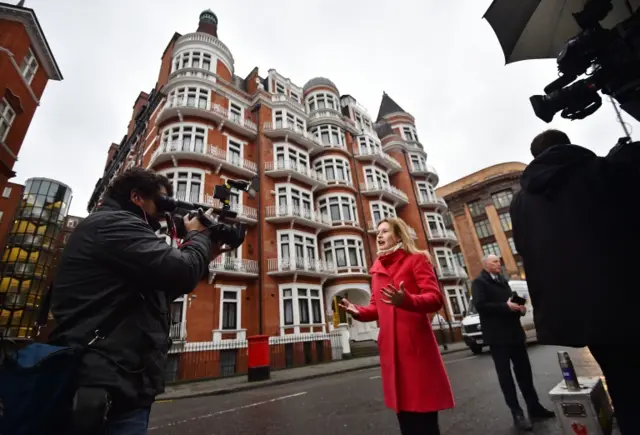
(538, 29)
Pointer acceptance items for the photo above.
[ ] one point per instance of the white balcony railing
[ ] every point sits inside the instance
(311, 266)
(280, 98)
(243, 211)
(380, 155)
(178, 331)
(432, 200)
(376, 187)
(207, 151)
(210, 110)
(293, 132)
(304, 213)
(297, 168)
(234, 118)
(442, 235)
(234, 266)
(452, 272)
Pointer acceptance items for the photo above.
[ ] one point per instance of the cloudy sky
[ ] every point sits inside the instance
(438, 59)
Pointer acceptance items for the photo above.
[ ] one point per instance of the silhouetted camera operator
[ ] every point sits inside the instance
(576, 224)
(113, 289)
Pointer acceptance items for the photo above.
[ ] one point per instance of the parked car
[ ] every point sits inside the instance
(472, 330)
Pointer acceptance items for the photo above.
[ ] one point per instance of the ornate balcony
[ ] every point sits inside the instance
(285, 100)
(292, 169)
(427, 171)
(245, 213)
(300, 215)
(379, 157)
(178, 331)
(454, 272)
(214, 112)
(172, 152)
(433, 201)
(292, 132)
(446, 236)
(300, 266)
(384, 191)
(331, 116)
(234, 267)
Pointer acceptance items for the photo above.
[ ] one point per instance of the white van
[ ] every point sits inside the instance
(472, 331)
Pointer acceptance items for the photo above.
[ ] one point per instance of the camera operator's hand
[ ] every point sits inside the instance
(193, 224)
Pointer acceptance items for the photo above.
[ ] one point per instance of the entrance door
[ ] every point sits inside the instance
(358, 331)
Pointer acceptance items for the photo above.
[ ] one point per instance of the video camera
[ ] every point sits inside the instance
(613, 55)
(222, 228)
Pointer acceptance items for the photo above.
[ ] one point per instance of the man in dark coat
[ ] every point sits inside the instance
(114, 265)
(576, 224)
(503, 332)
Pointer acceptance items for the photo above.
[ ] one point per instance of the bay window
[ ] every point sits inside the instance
(322, 100)
(234, 151)
(190, 97)
(375, 177)
(346, 253)
(285, 119)
(435, 224)
(457, 300)
(330, 135)
(7, 115)
(301, 304)
(299, 246)
(184, 137)
(381, 210)
(29, 66)
(409, 133)
(340, 208)
(289, 156)
(192, 59)
(235, 112)
(426, 191)
(369, 145)
(230, 308)
(418, 162)
(187, 184)
(294, 200)
(334, 169)
(362, 121)
(447, 264)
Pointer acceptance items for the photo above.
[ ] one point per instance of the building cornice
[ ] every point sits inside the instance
(28, 18)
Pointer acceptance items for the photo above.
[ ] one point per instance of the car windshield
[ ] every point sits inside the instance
(472, 308)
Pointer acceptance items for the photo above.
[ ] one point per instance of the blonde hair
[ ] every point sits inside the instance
(400, 229)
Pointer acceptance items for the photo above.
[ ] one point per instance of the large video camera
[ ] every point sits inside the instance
(221, 225)
(613, 55)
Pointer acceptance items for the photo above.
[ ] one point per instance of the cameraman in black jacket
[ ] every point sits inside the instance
(112, 260)
(576, 224)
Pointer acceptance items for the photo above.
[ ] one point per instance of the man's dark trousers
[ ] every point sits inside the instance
(503, 356)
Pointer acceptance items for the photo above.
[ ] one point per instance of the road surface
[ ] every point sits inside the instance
(352, 403)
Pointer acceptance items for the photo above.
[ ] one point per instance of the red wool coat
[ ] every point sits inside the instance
(413, 374)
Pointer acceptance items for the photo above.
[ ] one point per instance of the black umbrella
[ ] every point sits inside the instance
(538, 29)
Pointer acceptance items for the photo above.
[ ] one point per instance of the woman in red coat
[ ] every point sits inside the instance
(404, 290)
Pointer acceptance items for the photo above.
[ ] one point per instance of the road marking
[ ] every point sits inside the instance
(226, 411)
(375, 377)
(461, 359)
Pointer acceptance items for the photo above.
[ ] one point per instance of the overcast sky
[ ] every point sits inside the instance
(438, 59)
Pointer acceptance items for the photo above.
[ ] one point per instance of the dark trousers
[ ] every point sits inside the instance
(418, 423)
(619, 365)
(503, 356)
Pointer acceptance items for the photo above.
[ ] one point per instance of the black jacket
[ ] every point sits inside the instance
(499, 324)
(111, 256)
(576, 224)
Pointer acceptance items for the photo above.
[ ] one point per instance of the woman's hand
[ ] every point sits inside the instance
(393, 296)
(349, 307)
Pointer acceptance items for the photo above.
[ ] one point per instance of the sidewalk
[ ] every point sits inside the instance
(219, 386)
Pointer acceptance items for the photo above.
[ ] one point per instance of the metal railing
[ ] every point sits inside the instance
(308, 214)
(369, 187)
(234, 265)
(242, 210)
(206, 150)
(375, 152)
(290, 165)
(300, 265)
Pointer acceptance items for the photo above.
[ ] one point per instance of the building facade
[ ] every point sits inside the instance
(328, 174)
(479, 214)
(10, 198)
(26, 65)
(30, 254)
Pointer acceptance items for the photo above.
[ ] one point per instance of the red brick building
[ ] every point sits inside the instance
(26, 66)
(328, 173)
(479, 213)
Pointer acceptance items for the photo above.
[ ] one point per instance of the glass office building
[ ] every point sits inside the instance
(29, 253)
